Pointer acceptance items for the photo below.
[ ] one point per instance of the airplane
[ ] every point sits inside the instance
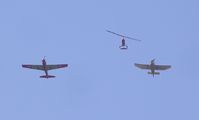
(153, 67)
(44, 67)
(123, 46)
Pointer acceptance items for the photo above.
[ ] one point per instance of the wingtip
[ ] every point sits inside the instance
(65, 65)
(22, 65)
(135, 64)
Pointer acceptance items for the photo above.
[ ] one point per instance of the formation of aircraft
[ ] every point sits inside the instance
(153, 67)
(123, 45)
(44, 67)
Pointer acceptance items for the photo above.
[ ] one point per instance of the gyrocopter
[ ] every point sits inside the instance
(123, 46)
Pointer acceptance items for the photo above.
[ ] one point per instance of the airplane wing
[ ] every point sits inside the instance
(142, 66)
(162, 67)
(51, 67)
(36, 67)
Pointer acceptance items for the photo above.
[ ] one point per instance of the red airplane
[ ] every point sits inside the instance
(44, 67)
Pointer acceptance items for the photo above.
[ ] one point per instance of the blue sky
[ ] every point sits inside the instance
(101, 81)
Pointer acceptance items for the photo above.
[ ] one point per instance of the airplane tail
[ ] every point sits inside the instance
(155, 73)
(47, 76)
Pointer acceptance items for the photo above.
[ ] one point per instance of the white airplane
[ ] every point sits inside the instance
(44, 67)
(153, 67)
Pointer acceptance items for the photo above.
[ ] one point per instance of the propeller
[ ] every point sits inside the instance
(44, 58)
(153, 61)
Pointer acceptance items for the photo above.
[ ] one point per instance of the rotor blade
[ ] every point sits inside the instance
(123, 36)
(115, 33)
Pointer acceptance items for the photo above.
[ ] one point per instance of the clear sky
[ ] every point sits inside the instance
(101, 82)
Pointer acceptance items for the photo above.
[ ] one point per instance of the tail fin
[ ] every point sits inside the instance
(155, 73)
(47, 76)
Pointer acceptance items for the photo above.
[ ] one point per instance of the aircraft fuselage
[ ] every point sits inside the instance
(44, 65)
(152, 66)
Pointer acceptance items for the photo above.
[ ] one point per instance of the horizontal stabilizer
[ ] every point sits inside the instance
(155, 73)
(47, 76)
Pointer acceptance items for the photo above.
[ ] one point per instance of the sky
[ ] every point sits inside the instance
(101, 81)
